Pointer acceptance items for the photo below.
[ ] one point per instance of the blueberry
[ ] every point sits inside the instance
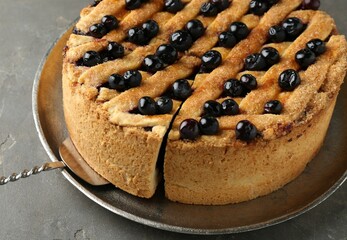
(230, 107)
(110, 22)
(227, 40)
(104, 56)
(173, 6)
(167, 53)
(255, 62)
(95, 3)
(239, 29)
(212, 108)
(189, 129)
(164, 105)
(210, 60)
(272, 2)
(221, 4)
(289, 80)
(277, 34)
(97, 30)
(115, 50)
(209, 125)
(147, 106)
(305, 58)
(181, 89)
(91, 58)
(152, 63)
(310, 4)
(132, 78)
(181, 40)
(116, 81)
(209, 9)
(271, 55)
(317, 46)
(195, 28)
(77, 31)
(150, 28)
(233, 88)
(258, 7)
(246, 131)
(249, 82)
(137, 35)
(132, 4)
(273, 107)
(293, 27)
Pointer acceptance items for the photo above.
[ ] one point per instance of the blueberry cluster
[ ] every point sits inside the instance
(91, 58)
(142, 35)
(133, 4)
(180, 90)
(240, 88)
(289, 30)
(108, 23)
(173, 6)
(182, 40)
(290, 79)
(237, 32)
(191, 129)
(213, 7)
(165, 55)
(129, 79)
(215, 109)
(307, 56)
(259, 7)
(262, 61)
(147, 105)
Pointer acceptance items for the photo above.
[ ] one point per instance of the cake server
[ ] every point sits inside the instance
(70, 159)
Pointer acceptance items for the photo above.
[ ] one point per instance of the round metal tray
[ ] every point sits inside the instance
(321, 178)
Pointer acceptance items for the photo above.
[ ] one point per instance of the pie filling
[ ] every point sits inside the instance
(171, 60)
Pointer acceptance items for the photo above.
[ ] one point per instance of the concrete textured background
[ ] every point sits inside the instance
(47, 206)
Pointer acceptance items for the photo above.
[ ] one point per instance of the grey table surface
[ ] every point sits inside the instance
(47, 206)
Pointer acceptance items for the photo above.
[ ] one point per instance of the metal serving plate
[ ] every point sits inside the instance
(321, 178)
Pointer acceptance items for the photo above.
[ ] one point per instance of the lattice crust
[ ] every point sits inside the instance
(206, 86)
(294, 102)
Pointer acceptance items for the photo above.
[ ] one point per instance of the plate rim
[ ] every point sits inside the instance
(142, 220)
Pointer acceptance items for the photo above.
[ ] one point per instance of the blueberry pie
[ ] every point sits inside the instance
(225, 100)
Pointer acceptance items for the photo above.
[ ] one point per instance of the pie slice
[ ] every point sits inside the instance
(228, 99)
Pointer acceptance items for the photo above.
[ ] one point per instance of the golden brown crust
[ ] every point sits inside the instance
(123, 146)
